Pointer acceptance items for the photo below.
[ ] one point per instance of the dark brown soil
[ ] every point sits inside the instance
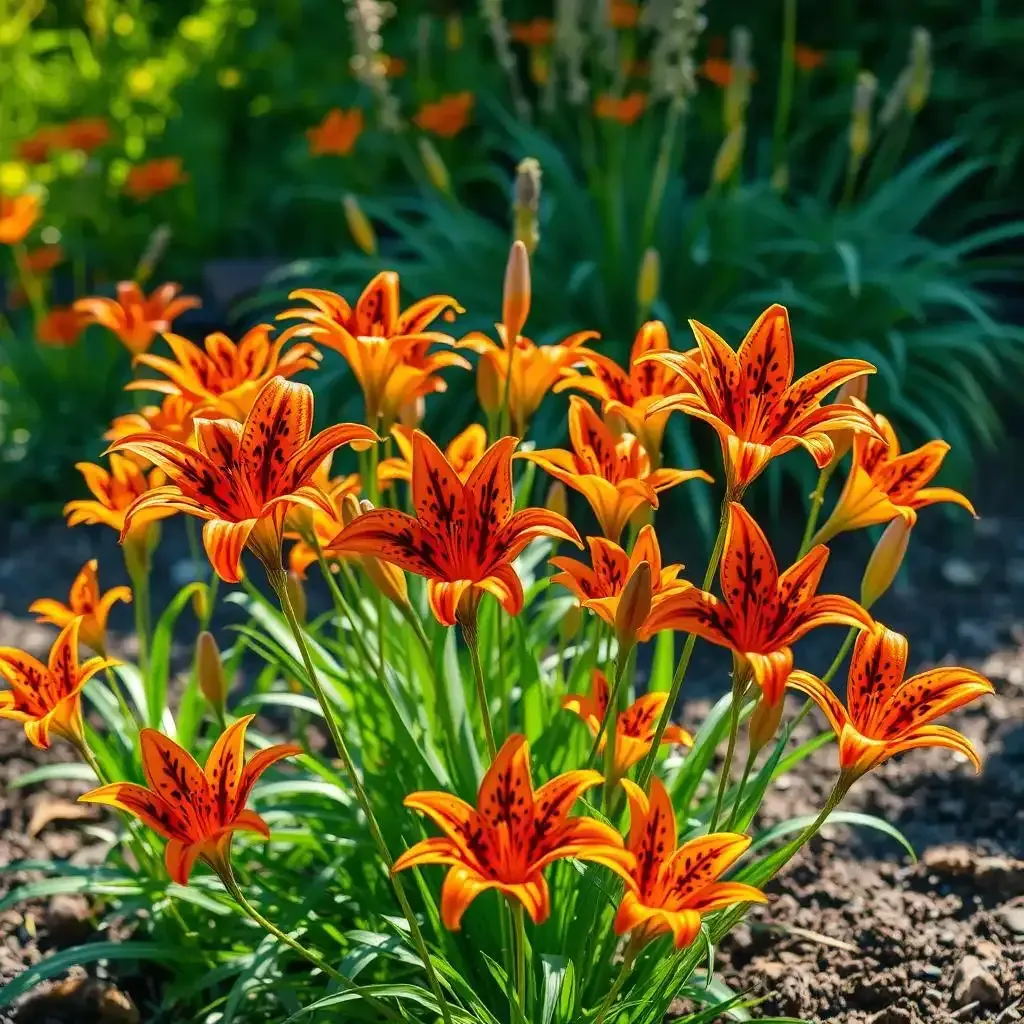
(854, 932)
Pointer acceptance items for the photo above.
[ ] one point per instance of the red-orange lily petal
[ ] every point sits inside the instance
(135, 318)
(17, 216)
(447, 116)
(48, 698)
(86, 602)
(173, 417)
(613, 473)
(884, 483)
(513, 833)
(670, 889)
(464, 536)
(337, 133)
(223, 378)
(195, 808)
(886, 713)
(750, 398)
(633, 729)
(243, 478)
(465, 451)
(761, 612)
(154, 176)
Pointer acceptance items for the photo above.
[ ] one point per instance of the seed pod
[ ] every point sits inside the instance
(210, 670)
(885, 560)
(515, 301)
(634, 604)
(359, 225)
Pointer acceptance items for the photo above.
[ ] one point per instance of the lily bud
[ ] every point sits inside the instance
(885, 560)
(920, 69)
(570, 624)
(557, 500)
(435, 166)
(764, 723)
(649, 281)
(388, 579)
(515, 302)
(453, 35)
(349, 508)
(297, 596)
(411, 414)
(860, 119)
(210, 670)
(359, 225)
(634, 604)
(490, 387)
(526, 203)
(200, 602)
(728, 156)
(842, 440)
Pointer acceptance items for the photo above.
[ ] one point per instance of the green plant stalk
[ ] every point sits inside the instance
(138, 573)
(644, 774)
(444, 707)
(817, 499)
(739, 685)
(519, 923)
(661, 170)
(228, 878)
(278, 582)
(611, 711)
(30, 283)
(738, 802)
(627, 964)
(122, 701)
(469, 633)
(341, 606)
(787, 74)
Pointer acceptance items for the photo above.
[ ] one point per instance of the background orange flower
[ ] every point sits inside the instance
(447, 116)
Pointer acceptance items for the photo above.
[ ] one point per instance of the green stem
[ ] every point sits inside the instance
(341, 606)
(840, 790)
(841, 656)
(644, 775)
(787, 74)
(627, 964)
(278, 582)
(730, 750)
(519, 921)
(30, 283)
(228, 878)
(738, 802)
(469, 633)
(661, 170)
(611, 711)
(122, 701)
(138, 572)
(817, 499)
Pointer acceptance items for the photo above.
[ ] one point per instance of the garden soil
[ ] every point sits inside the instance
(855, 932)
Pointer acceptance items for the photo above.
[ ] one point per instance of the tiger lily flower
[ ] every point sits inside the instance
(464, 537)
(337, 133)
(385, 348)
(135, 318)
(465, 451)
(613, 474)
(599, 586)
(633, 729)
(224, 379)
(631, 393)
(512, 834)
(884, 484)
(173, 418)
(534, 369)
(197, 809)
(887, 714)
(761, 612)
(671, 889)
(242, 478)
(447, 116)
(751, 400)
(85, 602)
(61, 327)
(48, 698)
(154, 176)
(18, 214)
(314, 529)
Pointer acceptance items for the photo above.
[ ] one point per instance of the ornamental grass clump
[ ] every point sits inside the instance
(458, 794)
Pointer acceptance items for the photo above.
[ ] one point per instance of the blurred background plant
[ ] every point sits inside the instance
(686, 161)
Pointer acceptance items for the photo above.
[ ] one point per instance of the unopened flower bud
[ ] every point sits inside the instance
(527, 184)
(359, 225)
(860, 119)
(297, 596)
(728, 156)
(764, 723)
(557, 500)
(885, 560)
(920, 69)
(388, 579)
(648, 282)
(411, 414)
(515, 302)
(453, 35)
(434, 165)
(349, 508)
(570, 623)
(365, 505)
(490, 387)
(201, 602)
(842, 440)
(210, 670)
(634, 604)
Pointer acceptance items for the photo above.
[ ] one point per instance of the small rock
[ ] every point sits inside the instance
(973, 984)
(68, 919)
(1012, 918)
(893, 1015)
(960, 573)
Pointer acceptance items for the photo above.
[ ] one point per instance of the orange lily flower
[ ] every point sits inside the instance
(43, 259)
(242, 478)
(884, 484)
(533, 33)
(173, 418)
(625, 109)
(535, 371)
(17, 215)
(631, 393)
(48, 698)
(751, 400)
(464, 452)
(135, 318)
(671, 889)
(512, 834)
(225, 378)
(36, 148)
(601, 587)
(717, 70)
(464, 537)
(807, 58)
(887, 713)
(86, 134)
(85, 603)
(613, 474)
(762, 611)
(337, 133)
(62, 326)
(448, 116)
(313, 528)
(385, 348)
(394, 67)
(196, 809)
(147, 180)
(623, 14)
(634, 728)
